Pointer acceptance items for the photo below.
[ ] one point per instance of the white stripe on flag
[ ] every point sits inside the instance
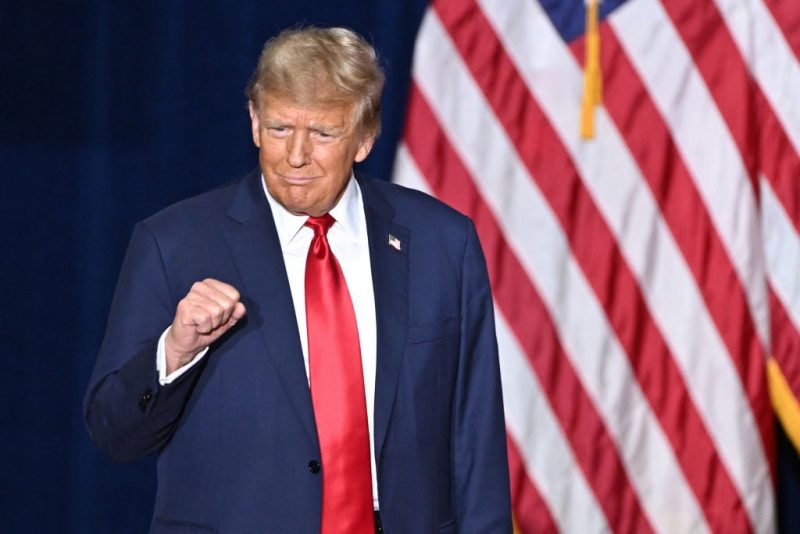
(545, 450)
(774, 66)
(530, 420)
(782, 248)
(407, 173)
(535, 235)
(709, 151)
(668, 285)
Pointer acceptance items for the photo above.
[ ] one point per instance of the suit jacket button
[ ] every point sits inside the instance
(145, 399)
(313, 466)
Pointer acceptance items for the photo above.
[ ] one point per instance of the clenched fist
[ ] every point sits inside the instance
(209, 310)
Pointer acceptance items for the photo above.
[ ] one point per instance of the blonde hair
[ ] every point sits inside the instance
(313, 66)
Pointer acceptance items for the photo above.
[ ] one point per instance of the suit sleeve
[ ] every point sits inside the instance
(481, 490)
(127, 413)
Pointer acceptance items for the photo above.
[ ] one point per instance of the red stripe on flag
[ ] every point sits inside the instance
(778, 159)
(529, 320)
(753, 124)
(787, 15)
(785, 343)
(683, 209)
(650, 143)
(530, 510)
(707, 38)
(597, 252)
(756, 130)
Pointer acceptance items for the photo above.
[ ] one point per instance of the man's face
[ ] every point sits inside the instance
(306, 153)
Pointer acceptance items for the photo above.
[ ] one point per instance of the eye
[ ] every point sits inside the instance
(278, 131)
(323, 136)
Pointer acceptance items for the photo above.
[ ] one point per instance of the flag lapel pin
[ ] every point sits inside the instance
(394, 242)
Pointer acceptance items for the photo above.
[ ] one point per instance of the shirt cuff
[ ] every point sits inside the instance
(161, 362)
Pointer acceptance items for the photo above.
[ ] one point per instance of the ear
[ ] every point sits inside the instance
(364, 147)
(255, 123)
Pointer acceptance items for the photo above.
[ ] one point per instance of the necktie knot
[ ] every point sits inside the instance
(320, 225)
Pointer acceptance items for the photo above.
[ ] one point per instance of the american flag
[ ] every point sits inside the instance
(647, 279)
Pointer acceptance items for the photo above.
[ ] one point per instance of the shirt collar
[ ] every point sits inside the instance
(348, 213)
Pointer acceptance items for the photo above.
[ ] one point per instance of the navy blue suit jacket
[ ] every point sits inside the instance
(235, 436)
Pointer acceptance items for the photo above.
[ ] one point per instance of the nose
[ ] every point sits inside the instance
(299, 150)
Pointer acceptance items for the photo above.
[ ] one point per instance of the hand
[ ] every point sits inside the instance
(210, 309)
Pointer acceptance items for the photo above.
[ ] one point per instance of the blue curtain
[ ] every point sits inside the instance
(110, 111)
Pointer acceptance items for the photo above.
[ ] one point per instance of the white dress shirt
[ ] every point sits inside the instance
(348, 241)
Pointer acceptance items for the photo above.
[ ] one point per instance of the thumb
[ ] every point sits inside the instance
(238, 312)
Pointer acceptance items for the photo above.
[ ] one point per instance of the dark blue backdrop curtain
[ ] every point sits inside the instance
(110, 111)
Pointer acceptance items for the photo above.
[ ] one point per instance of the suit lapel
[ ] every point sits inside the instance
(256, 251)
(390, 285)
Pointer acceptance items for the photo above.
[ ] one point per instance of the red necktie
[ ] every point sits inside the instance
(337, 390)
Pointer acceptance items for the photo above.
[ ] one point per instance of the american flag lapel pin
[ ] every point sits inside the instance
(394, 242)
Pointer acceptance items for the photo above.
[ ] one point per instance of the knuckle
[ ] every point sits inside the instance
(183, 306)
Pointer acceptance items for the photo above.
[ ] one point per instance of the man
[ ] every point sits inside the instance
(302, 347)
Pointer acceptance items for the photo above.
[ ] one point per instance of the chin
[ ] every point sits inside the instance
(302, 208)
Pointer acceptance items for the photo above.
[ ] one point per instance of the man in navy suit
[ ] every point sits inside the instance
(206, 359)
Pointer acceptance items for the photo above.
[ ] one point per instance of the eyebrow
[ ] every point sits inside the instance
(326, 128)
(275, 123)
(317, 127)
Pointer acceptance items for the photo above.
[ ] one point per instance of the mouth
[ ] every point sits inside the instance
(298, 180)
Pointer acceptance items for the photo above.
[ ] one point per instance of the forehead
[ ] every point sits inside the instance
(282, 108)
